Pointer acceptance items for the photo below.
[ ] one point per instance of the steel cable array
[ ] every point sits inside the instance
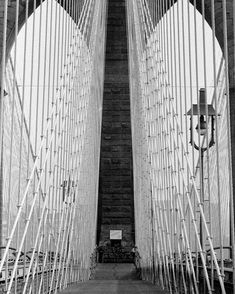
(51, 110)
(183, 196)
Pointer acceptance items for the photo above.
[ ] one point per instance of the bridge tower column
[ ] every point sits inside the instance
(116, 204)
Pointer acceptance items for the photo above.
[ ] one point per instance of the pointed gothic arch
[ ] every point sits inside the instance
(219, 26)
(70, 6)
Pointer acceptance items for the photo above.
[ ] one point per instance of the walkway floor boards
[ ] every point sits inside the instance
(114, 287)
(114, 279)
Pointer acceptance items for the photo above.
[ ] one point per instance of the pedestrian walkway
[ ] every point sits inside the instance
(115, 271)
(114, 279)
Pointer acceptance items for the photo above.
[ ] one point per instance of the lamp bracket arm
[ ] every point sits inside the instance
(203, 149)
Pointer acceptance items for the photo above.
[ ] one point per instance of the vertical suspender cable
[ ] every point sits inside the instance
(227, 93)
(230, 169)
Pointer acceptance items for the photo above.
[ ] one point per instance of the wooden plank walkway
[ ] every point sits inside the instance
(114, 279)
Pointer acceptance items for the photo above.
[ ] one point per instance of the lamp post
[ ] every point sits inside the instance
(204, 112)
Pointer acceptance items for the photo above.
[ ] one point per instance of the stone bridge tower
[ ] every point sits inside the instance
(116, 207)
